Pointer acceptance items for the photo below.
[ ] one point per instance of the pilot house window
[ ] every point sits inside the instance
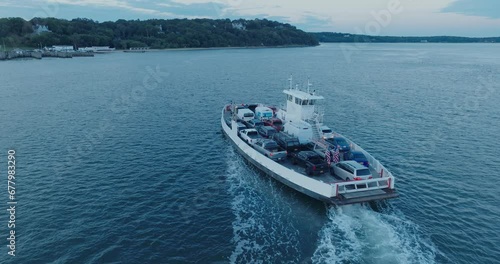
(305, 101)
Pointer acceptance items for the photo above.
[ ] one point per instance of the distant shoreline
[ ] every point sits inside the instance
(423, 43)
(331, 37)
(223, 48)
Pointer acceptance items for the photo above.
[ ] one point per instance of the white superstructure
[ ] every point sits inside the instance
(301, 114)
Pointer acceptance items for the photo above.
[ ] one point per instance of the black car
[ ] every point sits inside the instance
(266, 131)
(254, 123)
(289, 143)
(311, 161)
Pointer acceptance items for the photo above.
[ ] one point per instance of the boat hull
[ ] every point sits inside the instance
(274, 175)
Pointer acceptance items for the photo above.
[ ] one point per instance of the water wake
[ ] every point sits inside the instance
(262, 230)
(357, 234)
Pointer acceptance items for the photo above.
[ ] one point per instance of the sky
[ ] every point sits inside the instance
(472, 18)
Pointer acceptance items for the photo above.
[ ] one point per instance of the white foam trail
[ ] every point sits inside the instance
(261, 231)
(357, 234)
(338, 242)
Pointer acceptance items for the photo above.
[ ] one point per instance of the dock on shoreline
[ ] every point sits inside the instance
(10, 55)
(18, 54)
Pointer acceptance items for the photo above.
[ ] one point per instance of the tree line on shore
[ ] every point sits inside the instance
(182, 33)
(153, 33)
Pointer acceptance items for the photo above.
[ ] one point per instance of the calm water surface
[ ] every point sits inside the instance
(120, 157)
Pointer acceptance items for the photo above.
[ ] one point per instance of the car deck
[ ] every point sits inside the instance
(325, 177)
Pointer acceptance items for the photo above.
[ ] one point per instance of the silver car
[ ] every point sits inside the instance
(270, 149)
(350, 171)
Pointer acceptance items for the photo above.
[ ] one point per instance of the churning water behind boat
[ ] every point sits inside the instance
(262, 230)
(357, 234)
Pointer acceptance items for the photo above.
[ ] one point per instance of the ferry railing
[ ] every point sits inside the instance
(385, 180)
(363, 185)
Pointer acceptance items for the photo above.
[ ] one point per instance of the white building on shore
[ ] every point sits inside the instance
(96, 49)
(61, 48)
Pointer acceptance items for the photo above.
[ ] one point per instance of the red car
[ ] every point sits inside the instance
(274, 122)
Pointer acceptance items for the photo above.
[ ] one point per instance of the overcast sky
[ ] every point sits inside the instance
(374, 17)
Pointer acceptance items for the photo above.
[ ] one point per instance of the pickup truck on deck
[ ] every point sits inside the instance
(250, 135)
(270, 149)
(311, 161)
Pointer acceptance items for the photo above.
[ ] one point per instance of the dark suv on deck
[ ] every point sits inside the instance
(266, 131)
(289, 143)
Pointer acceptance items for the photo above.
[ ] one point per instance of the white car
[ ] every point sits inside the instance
(245, 114)
(350, 171)
(326, 132)
(250, 135)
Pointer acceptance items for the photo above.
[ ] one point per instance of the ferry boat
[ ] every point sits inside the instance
(302, 119)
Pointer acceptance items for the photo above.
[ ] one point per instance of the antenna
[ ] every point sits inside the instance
(309, 85)
(291, 81)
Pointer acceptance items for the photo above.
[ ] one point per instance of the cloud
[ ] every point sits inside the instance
(165, 5)
(482, 8)
(329, 14)
(15, 4)
(192, 10)
(118, 4)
